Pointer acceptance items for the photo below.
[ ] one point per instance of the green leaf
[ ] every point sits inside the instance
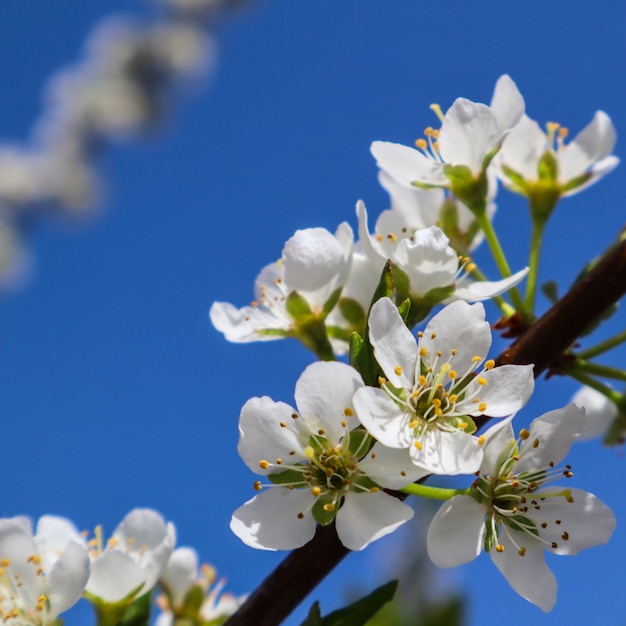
(314, 618)
(551, 291)
(297, 307)
(358, 613)
(138, 613)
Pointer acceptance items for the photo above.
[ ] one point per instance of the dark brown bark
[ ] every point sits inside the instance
(542, 344)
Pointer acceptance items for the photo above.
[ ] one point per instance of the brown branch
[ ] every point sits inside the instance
(542, 344)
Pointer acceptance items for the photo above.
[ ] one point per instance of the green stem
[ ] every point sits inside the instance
(533, 262)
(604, 346)
(434, 493)
(594, 383)
(499, 257)
(606, 371)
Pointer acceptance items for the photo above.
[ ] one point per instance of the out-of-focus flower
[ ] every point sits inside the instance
(33, 588)
(600, 412)
(432, 387)
(321, 467)
(512, 513)
(192, 592)
(130, 563)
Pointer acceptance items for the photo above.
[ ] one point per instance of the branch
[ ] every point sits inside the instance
(542, 344)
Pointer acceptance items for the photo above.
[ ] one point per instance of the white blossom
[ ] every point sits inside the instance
(512, 513)
(314, 264)
(432, 387)
(320, 465)
(600, 412)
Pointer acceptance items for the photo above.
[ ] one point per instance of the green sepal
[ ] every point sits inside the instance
(351, 310)
(194, 599)
(548, 167)
(321, 515)
(112, 614)
(297, 307)
(330, 304)
(273, 332)
(319, 443)
(470, 426)
(470, 190)
(359, 440)
(422, 306)
(449, 223)
(551, 291)
(576, 182)
(404, 309)
(516, 178)
(286, 477)
(138, 613)
(523, 524)
(401, 283)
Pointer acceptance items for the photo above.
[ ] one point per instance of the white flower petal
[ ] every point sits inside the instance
(522, 149)
(381, 418)
(528, 575)
(460, 327)
(270, 520)
(243, 325)
(365, 517)
(407, 164)
(584, 523)
(468, 133)
(507, 103)
(448, 454)
(324, 397)
(114, 575)
(394, 345)
(456, 533)
(550, 438)
(390, 468)
(600, 412)
(67, 578)
(507, 390)
(53, 535)
(17, 546)
(180, 573)
(486, 289)
(497, 439)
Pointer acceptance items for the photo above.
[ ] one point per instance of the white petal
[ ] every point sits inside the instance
(551, 437)
(497, 439)
(528, 575)
(67, 578)
(598, 170)
(53, 535)
(428, 260)
(382, 418)
(507, 390)
(180, 573)
(457, 532)
(585, 522)
(486, 289)
(324, 397)
(468, 133)
(261, 436)
(448, 454)
(17, 546)
(394, 345)
(390, 467)
(145, 534)
(114, 574)
(407, 164)
(270, 520)
(599, 412)
(243, 325)
(507, 103)
(365, 517)
(522, 149)
(460, 327)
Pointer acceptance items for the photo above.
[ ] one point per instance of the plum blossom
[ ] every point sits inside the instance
(432, 387)
(314, 267)
(600, 412)
(181, 578)
(533, 162)
(471, 133)
(433, 268)
(132, 560)
(34, 589)
(513, 514)
(321, 467)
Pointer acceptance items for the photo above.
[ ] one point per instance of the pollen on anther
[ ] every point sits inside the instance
(316, 491)
(300, 515)
(421, 144)
(565, 536)
(490, 364)
(348, 412)
(294, 416)
(476, 359)
(499, 548)
(544, 525)
(481, 440)
(283, 425)
(452, 374)
(279, 461)
(418, 445)
(257, 485)
(344, 423)
(423, 352)
(402, 473)
(398, 370)
(329, 506)
(481, 381)
(263, 464)
(433, 335)
(482, 407)
(568, 474)
(554, 545)
(522, 551)
(536, 443)
(321, 432)
(524, 434)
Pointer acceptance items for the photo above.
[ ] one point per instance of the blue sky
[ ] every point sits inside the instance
(115, 390)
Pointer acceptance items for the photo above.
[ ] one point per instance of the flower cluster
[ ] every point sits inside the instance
(406, 405)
